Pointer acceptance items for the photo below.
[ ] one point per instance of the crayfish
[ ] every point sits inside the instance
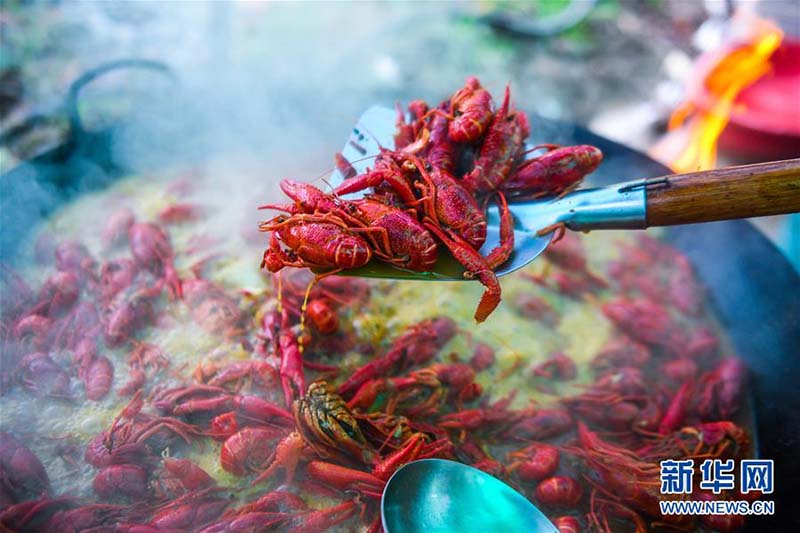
(421, 200)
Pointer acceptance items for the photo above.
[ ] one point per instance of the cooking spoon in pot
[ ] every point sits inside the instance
(722, 194)
(436, 495)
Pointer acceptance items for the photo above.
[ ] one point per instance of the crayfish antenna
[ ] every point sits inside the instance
(174, 283)
(548, 146)
(559, 228)
(286, 208)
(506, 101)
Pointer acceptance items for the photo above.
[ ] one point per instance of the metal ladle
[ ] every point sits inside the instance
(734, 192)
(440, 496)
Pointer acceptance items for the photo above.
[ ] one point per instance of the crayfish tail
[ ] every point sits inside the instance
(491, 296)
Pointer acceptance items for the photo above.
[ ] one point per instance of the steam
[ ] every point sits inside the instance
(271, 90)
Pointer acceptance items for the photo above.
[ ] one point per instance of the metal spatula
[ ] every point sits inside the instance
(734, 192)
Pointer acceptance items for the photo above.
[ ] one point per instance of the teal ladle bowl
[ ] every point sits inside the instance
(435, 495)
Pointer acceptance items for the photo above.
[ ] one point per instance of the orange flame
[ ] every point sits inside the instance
(728, 76)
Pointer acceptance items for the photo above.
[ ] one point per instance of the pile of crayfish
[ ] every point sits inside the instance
(431, 190)
(304, 438)
(291, 403)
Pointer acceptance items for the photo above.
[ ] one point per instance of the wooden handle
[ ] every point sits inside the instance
(734, 192)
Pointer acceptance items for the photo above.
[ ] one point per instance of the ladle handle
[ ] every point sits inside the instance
(734, 192)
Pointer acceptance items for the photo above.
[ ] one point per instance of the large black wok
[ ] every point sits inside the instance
(755, 293)
(753, 288)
